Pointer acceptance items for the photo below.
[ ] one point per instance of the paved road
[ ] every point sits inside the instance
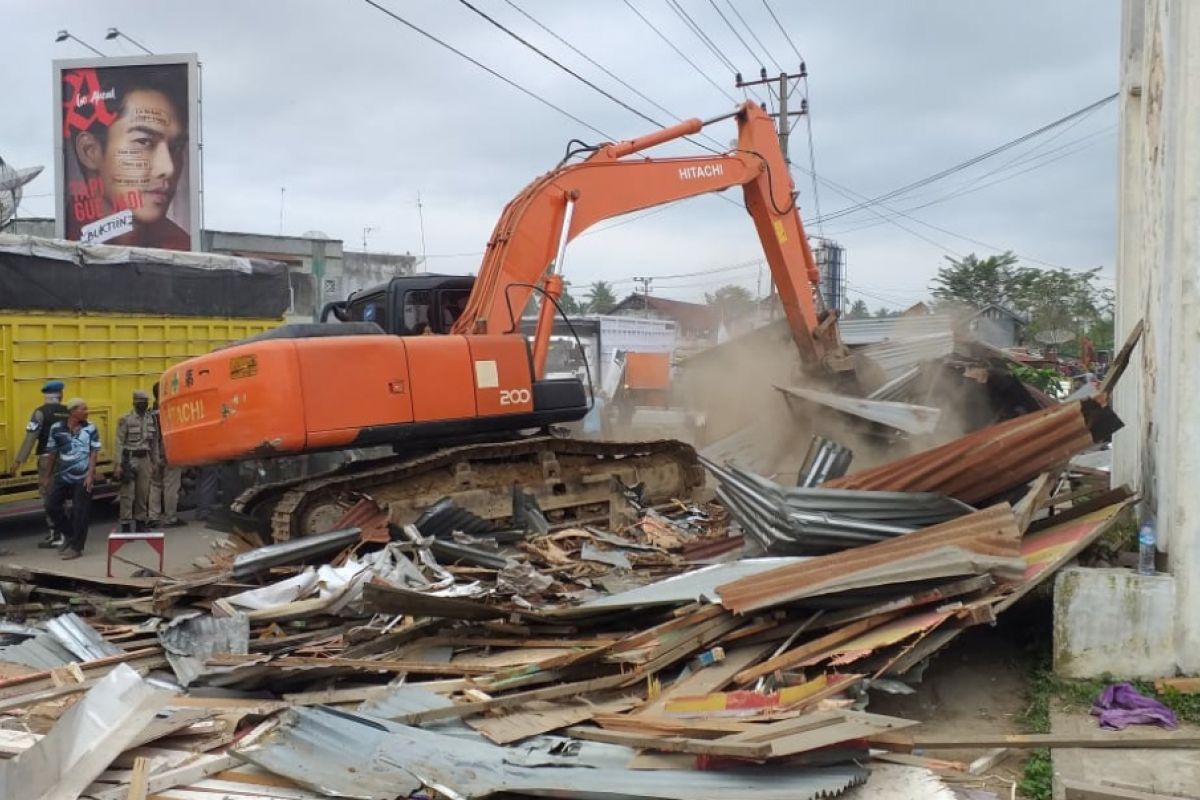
(19, 538)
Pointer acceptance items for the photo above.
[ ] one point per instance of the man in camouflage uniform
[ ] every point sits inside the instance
(37, 433)
(137, 453)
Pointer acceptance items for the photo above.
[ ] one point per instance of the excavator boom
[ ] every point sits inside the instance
(532, 232)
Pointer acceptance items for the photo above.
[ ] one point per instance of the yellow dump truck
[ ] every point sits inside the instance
(107, 321)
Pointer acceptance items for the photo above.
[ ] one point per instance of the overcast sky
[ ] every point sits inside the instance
(355, 114)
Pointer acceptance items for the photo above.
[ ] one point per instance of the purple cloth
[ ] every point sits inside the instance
(1121, 704)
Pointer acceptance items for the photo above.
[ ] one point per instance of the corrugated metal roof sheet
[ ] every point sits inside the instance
(358, 756)
(900, 416)
(898, 356)
(986, 541)
(993, 460)
(859, 332)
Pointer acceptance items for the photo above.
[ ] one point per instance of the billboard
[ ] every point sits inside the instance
(127, 151)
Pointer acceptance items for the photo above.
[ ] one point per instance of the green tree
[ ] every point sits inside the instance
(978, 282)
(731, 301)
(570, 306)
(858, 310)
(885, 313)
(1053, 302)
(600, 298)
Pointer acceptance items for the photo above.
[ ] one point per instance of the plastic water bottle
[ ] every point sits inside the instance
(1146, 547)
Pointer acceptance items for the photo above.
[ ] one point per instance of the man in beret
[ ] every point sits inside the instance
(37, 435)
(137, 453)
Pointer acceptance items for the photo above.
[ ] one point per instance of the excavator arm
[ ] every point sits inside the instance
(526, 248)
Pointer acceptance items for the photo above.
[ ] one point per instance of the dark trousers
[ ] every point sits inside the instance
(73, 526)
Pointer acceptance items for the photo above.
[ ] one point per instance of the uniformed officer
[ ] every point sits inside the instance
(37, 433)
(137, 452)
(164, 488)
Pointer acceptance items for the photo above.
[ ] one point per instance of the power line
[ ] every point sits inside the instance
(486, 68)
(562, 66)
(783, 30)
(728, 24)
(696, 29)
(1041, 160)
(812, 156)
(969, 162)
(602, 68)
(750, 30)
(679, 52)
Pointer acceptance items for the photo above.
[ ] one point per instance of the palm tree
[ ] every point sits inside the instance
(600, 298)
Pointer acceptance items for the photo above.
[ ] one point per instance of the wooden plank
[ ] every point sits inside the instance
(543, 716)
(812, 648)
(976, 583)
(1181, 685)
(306, 662)
(334, 696)
(671, 744)
(32, 698)
(148, 658)
(669, 726)
(513, 700)
(1084, 790)
(137, 781)
(705, 681)
(854, 725)
(776, 730)
(1124, 740)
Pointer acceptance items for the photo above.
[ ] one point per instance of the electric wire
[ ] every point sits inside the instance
(560, 65)
(1034, 161)
(753, 35)
(602, 68)
(485, 68)
(783, 30)
(696, 29)
(679, 52)
(753, 56)
(969, 162)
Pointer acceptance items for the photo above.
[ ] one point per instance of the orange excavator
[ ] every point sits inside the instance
(453, 405)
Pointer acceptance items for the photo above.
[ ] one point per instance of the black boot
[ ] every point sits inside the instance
(127, 527)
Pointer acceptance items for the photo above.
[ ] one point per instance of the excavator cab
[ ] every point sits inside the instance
(411, 305)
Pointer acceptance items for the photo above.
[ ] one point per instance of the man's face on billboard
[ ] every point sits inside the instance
(142, 158)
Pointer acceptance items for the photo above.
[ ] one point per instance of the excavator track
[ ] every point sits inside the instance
(572, 480)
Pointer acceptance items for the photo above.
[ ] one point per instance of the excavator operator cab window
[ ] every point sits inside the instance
(416, 312)
(371, 308)
(451, 303)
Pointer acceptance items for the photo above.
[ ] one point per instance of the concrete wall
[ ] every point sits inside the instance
(364, 270)
(1158, 280)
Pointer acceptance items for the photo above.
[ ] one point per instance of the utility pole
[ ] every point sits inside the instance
(421, 222)
(366, 231)
(645, 282)
(282, 189)
(781, 88)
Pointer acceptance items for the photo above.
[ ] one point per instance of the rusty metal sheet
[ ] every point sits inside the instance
(985, 541)
(991, 461)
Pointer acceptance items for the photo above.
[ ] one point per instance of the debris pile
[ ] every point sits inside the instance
(701, 650)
